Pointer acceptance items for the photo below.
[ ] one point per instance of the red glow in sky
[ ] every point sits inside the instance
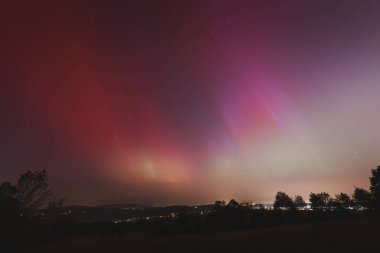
(161, 102)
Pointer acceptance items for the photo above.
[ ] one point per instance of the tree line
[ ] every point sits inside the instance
(360, 199)
(32, 191)
(20, 227)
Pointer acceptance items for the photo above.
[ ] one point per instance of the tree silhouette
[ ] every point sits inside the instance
(341, 201)
(320, 201)
(233, 204)
(219, 205)
(375, 187)
(33, 190)
(283, 201)
(361, 198)
(8, 201)
(299, 202)
(7, 191)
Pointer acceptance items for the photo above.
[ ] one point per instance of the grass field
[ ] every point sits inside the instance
(361, 235)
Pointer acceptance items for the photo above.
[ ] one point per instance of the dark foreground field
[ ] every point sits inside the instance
(361, 235)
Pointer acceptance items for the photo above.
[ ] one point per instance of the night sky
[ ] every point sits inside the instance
(185, 102)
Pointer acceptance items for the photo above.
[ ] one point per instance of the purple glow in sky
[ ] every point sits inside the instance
(162, 102)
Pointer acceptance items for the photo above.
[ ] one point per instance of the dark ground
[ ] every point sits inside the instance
(360, 235)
